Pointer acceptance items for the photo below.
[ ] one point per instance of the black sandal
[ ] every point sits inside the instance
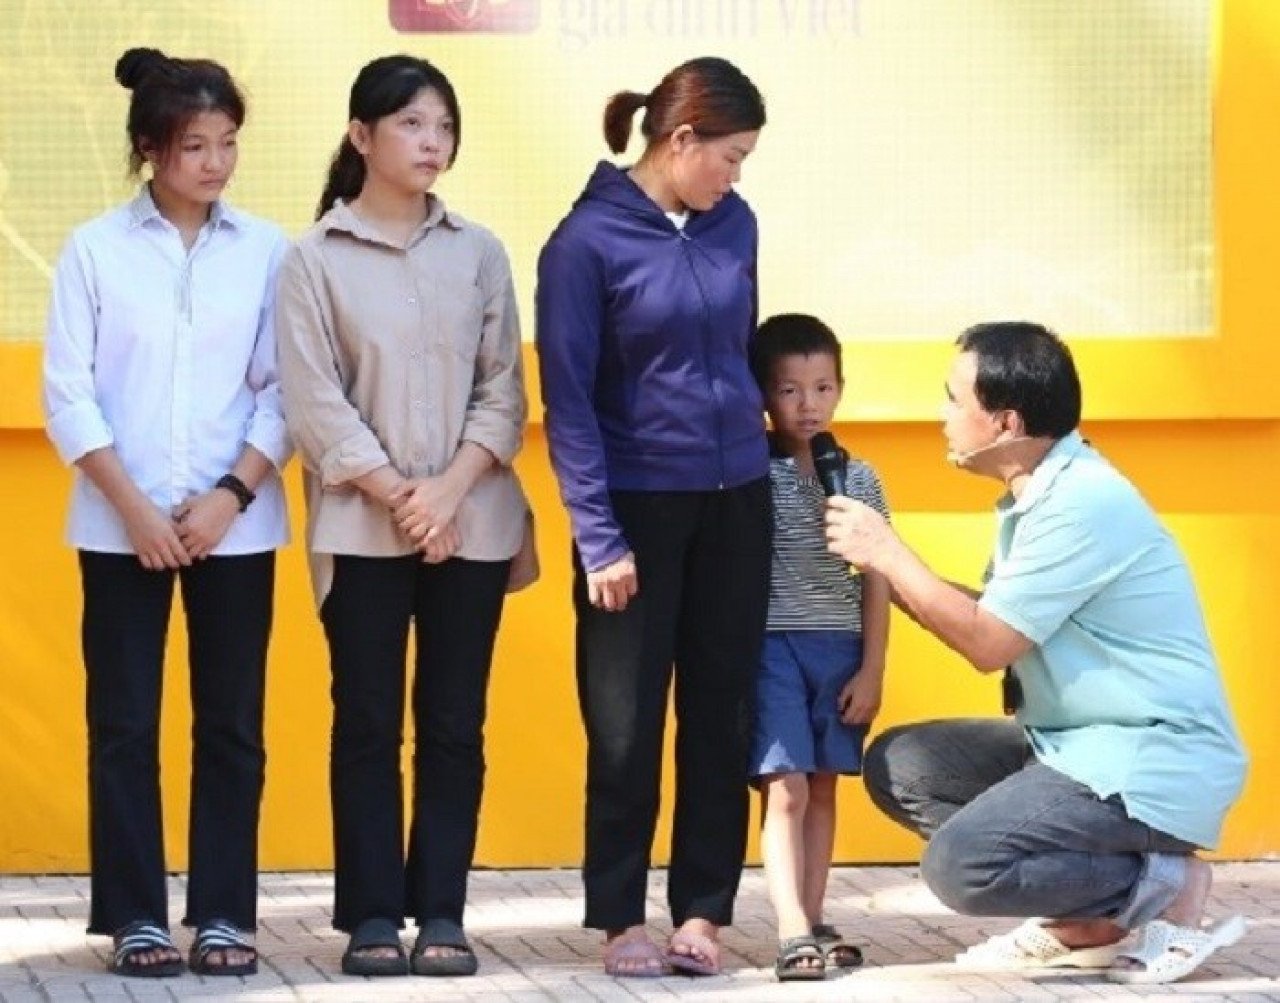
(838, 951)
(220, 935)
(443, 933)
(795, 950)
(371, 933)
(137, 938)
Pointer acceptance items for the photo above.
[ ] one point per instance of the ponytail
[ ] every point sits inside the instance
(346, 177)
(618, 114)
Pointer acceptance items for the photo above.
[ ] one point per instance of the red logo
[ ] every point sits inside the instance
(464, 15)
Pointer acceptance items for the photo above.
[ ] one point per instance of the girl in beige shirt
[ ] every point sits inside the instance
(401, 367)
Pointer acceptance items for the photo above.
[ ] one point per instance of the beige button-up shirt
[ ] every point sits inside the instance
(396, 355)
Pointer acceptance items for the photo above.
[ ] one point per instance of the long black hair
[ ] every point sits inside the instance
(382, 88)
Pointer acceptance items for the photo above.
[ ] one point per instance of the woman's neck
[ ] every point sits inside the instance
(393, 211)
(651, 179)
(186, 215)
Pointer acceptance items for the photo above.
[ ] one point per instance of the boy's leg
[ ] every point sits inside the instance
(784, 798)
(819, 841)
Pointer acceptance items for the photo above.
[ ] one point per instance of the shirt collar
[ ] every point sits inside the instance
(143, 209)
(342, 219)
(1060, 456)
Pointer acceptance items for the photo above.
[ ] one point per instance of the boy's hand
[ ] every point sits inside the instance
(859, 699)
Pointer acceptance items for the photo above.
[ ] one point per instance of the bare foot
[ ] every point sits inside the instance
(230, 956)
(1077, 933)
(630, 953)
(1185, 910)
(695, 947)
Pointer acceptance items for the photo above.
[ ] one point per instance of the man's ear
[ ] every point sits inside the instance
(1011, 421)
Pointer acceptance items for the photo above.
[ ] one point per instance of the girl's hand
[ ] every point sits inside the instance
(154, 538)
(612, 587)
(859, 700)
(440, 543)
(422, 504)
(203, 520)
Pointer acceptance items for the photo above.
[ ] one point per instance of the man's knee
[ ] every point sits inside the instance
(878, 769)
(960, 868)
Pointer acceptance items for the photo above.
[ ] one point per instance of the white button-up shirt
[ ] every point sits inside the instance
(169, 356)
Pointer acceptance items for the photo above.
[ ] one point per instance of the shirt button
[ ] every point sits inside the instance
(411, 301)
(417, 403)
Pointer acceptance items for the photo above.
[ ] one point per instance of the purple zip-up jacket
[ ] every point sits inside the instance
(642, 347)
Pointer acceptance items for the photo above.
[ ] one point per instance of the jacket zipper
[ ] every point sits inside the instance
(686, 243)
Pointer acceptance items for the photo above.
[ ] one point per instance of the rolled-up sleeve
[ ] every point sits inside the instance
(570, 322)
(331, 437)
(497, 408)
(268, 433)
(73, 417)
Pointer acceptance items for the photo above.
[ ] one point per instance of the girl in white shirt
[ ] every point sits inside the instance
(160, 387)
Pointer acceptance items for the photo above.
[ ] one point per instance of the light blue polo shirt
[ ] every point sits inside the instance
(1121, 690)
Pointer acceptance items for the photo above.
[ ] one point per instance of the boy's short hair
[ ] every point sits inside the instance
(791, 334)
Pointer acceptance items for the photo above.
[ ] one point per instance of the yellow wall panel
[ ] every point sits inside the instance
(1217, 484)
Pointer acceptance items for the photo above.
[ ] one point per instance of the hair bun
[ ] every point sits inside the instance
(138, 64)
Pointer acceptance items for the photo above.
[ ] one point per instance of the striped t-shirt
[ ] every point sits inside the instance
(811, 588)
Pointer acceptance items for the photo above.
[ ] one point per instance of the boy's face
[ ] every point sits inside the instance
(801, 398)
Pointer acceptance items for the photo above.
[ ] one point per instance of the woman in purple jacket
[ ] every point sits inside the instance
(646, 298)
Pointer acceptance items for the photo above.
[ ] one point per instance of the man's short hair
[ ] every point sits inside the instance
(1026, 368)
(791, 334)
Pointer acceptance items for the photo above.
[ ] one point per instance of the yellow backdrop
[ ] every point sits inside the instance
(1192, 419)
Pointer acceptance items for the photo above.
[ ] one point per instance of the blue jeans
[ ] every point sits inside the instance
(1009, 836)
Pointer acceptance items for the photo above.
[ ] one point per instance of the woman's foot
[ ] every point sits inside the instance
(222, 948)
(630, 954)
(694, 949)
(145, 950)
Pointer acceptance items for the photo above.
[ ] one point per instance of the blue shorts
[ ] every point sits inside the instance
(798, 727)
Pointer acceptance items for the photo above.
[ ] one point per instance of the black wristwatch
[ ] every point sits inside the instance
(238, 488)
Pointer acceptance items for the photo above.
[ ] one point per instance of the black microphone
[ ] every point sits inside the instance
(831, 464)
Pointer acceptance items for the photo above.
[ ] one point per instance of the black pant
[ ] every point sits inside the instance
(126, 617)
(703, 564)
(455, 608)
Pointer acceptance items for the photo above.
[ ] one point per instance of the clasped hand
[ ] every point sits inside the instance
(189, 534)
(424, 508)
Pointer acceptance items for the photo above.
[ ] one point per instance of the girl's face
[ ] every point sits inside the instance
(702, 171)
(408, 149)
(198, 165)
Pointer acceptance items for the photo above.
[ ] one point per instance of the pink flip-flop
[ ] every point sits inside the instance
(634, 958)
(703, 957)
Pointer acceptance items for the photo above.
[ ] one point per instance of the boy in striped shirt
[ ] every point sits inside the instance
(823, 661)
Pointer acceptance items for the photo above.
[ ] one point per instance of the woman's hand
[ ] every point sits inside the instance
(612, 587)
(154, 538)
(440, 543)
(203, 520)
(423, 504)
